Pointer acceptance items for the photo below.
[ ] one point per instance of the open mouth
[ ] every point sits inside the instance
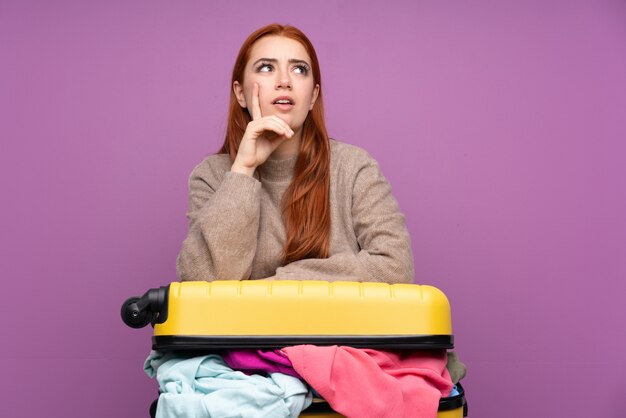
(283, 101)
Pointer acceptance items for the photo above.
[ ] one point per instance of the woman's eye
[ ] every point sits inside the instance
(301, 69)
(264, 68)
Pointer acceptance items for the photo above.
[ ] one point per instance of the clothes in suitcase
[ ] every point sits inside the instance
(206, 317)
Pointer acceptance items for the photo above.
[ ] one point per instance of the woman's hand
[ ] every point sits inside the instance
(263, 135)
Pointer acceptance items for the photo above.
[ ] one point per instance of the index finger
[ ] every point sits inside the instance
(256, 107)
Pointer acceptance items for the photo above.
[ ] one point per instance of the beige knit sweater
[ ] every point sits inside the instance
(236, 230)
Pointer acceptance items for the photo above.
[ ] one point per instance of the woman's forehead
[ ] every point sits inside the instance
(280, 48)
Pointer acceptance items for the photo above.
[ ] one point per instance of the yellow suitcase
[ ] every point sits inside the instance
(207, 316)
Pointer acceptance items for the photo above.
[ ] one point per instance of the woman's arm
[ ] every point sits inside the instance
(385, 247)
(223, 225)
(224, 220)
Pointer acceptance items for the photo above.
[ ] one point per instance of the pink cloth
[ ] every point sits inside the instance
(364, 383)
(255, 361)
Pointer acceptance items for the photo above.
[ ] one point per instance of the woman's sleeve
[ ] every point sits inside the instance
(223, 226)
(385, 248)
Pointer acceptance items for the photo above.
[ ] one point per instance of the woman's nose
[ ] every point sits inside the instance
(283, 81)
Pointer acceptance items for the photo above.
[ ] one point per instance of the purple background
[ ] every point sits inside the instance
(500, 125)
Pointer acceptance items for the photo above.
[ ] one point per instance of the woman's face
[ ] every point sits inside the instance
(282, 69)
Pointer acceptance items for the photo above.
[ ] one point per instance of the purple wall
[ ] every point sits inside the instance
(500, 126)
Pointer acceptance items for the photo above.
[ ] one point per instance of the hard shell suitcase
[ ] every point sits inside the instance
(210, 316)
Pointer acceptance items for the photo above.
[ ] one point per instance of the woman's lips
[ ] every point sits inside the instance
(283, 106)
(283, 103)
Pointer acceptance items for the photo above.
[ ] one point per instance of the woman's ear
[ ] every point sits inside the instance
(316, 92)
(238, 90)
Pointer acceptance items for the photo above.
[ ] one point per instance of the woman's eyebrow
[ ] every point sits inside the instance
(274, 60)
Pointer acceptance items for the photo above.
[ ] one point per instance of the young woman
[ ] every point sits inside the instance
(282, 200)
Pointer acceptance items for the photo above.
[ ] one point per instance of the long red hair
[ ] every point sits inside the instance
(306, 211)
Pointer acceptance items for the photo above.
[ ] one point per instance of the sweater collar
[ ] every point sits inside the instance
(277, 170)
